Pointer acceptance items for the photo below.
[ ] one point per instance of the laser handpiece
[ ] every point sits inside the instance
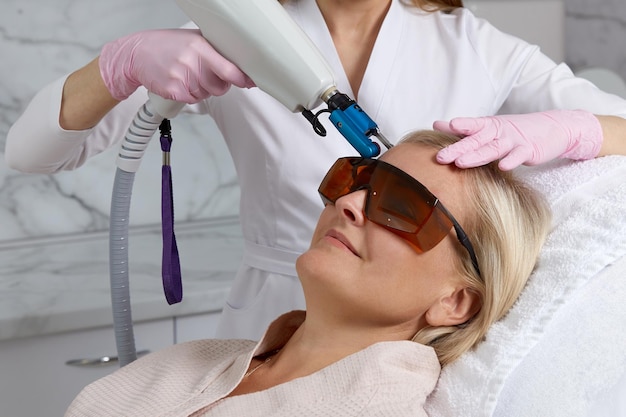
(351, 121)
(262, 39)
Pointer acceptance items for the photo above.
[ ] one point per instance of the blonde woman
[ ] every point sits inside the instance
(410, 263)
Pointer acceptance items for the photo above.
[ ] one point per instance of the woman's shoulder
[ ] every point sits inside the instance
(386, 379)
(405, 356)
(198, 352)
(460, 23)
(202, 347)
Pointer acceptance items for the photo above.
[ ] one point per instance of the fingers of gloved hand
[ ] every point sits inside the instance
(517, 156)
(461, 126)
(215, 72)
(455, 151)
(196, 71)
(477, 131)
(529, 139)
(491, 151)
(467, 126)
(177, 64)
(443, 126)
(112, 68)
(467, 145)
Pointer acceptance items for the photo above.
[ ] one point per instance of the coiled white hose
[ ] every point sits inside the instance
(138, 135)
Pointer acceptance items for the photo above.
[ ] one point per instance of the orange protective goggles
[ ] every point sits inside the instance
(396, 201)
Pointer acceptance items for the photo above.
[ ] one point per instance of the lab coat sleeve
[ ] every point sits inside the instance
(36, 143)
(543, 85)
(526, 80)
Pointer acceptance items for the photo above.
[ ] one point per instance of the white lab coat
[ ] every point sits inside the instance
(424, 67)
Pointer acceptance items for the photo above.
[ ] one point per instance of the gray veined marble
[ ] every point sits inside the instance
(62, 284)
(53, 228)
(596, 34)
(53, 245)
(47, 39)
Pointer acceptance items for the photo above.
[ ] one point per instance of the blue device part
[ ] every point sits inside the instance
(356, 126)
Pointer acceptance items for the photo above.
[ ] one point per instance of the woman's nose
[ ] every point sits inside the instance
(352, 206)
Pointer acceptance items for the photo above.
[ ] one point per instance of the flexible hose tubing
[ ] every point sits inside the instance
(141, 130)
(118, 267)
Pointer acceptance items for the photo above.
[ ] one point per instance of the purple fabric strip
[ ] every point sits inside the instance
(172, 282)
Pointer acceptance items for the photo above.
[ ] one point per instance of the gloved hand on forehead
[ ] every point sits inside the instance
(529, 139)
(177, 64)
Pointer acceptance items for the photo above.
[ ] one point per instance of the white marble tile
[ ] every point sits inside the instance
(46, 39)
(63, 285)
(595, 33)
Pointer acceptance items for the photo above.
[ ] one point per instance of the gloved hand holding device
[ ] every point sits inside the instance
(176, 64)
(529, 139)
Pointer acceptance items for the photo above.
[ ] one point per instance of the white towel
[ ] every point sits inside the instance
(573, 369)
(588, 200)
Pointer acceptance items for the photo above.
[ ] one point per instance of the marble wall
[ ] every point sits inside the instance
(595, 34)
(41, 40)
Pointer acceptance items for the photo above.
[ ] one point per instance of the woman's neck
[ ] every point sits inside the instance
(344, 11)
(317, 344)
(314, 345)
(354, 27)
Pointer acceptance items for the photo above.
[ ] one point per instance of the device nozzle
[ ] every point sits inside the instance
(383, 139)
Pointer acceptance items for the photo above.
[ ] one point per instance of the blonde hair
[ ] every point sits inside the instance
(435, 5)
(509, 224)
(426, 5)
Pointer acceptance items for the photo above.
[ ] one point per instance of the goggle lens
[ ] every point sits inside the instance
(395, 200)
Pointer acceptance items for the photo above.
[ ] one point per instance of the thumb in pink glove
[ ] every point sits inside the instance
(529, 139)
(177, 64)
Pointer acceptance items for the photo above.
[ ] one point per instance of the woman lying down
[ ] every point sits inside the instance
(410, 263)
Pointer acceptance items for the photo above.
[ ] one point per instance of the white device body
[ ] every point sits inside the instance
(262, 39)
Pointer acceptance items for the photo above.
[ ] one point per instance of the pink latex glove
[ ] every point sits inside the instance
(177, 64)
(528, 139)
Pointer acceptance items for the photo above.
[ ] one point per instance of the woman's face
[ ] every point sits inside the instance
(359, 271)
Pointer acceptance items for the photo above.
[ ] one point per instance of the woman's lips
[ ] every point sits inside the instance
(339, 240)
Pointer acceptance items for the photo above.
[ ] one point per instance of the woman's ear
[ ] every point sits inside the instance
(453, 308)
